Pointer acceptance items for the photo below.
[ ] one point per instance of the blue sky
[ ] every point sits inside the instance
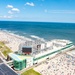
(38, 10)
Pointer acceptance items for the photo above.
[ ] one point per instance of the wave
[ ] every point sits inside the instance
(8, 31)
(14, 33)
(38, 38)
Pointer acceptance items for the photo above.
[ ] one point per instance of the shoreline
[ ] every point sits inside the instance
(12, 40)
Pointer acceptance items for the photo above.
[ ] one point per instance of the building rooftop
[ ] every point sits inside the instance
(5, 70)
(17, 57)
(1, 60)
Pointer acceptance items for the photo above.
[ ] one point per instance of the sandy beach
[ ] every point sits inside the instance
(12, 40)
(61, 65)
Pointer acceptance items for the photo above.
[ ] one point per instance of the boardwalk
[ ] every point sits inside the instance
(43, 63)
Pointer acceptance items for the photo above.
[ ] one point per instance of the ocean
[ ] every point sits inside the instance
(42, 30)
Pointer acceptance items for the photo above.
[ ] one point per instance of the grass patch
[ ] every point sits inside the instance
(4, 49)
(30, 72)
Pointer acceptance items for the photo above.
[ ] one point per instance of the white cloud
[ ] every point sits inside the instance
(15, 9)
(10, 16)
(9, 6)
(62, 11)
(6, 17)
(10, 12)
(30, 4)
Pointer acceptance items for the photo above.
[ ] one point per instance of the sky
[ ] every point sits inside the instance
(38, 10)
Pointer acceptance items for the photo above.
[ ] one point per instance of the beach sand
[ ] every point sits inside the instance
(61, 65)
(12, 40)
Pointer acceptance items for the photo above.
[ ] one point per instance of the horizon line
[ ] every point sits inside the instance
(35, 21)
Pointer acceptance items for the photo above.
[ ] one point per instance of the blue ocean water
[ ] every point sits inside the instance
(45, 30)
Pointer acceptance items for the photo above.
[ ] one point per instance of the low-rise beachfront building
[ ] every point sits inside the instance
(30, 54)
(29, 47)
(20, 61)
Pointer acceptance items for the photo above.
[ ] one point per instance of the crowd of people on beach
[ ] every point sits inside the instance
(61, 65)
